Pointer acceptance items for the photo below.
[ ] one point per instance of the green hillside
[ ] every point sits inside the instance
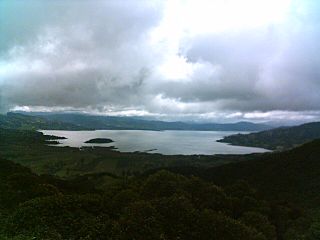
(294, 174)
(278, 138)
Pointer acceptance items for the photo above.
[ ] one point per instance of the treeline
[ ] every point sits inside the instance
(163, 205)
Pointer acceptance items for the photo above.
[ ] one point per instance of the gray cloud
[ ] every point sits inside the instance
(97, 56)
(276, 68)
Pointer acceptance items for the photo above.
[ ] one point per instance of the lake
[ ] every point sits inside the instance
(164, 142)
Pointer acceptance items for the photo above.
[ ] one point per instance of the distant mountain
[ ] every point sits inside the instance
(21, 121)
(131, 123)
(278, 138)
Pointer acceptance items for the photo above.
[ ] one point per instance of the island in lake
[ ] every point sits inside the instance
(100, 140)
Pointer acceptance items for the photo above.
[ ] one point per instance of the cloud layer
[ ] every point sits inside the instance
(138, 57)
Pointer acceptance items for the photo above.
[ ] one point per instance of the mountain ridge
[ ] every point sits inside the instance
(21, 121)
(99, 122)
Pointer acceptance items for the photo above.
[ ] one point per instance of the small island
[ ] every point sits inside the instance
(100, 140)
(52, 137)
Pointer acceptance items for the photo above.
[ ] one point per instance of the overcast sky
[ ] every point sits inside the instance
(215, 60)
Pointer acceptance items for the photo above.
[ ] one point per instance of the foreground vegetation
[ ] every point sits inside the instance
(160, 206)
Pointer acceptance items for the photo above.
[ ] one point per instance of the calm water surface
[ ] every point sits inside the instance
(164, 142)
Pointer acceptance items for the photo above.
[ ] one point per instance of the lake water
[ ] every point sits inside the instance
(164, 142)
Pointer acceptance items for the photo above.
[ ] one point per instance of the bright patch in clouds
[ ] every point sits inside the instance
(176, 68)
(194, 17)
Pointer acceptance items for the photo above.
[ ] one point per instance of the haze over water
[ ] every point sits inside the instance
(164, 142)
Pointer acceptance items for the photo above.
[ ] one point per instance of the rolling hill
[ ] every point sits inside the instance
(292, 174)
(277, 139)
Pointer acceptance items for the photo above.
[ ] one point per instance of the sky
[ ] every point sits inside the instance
(199, 60)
